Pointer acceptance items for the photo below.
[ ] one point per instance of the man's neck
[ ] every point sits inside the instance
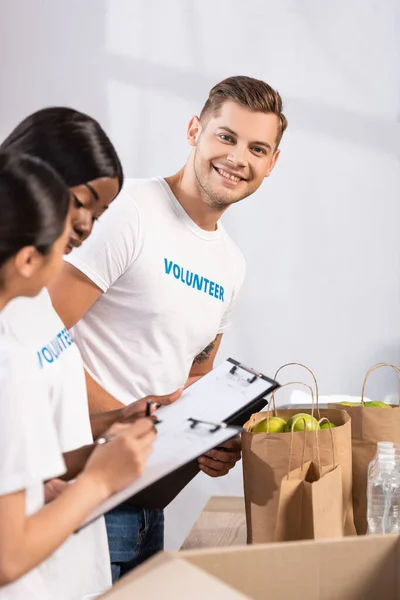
(187, 191)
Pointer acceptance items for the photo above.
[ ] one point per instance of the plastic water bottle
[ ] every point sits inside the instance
(383, 492)
(382, 448)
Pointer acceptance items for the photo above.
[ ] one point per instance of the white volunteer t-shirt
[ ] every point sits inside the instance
(34, 321)
(29, 450)
(169, 289)
(81, 566)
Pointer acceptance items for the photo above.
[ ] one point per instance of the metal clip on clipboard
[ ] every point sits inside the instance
(254, 375)
(214, 426)
(238, 365)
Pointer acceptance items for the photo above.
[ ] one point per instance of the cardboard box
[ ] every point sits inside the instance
(356, 568)
(168, 577)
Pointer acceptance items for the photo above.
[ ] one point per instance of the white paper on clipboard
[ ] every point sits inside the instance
(219, 394)
(173, 448)
(194, 424)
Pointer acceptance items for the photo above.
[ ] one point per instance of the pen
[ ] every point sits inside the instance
(148, 408)
(156, 421)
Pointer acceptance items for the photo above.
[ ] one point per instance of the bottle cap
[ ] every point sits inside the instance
(385, 445)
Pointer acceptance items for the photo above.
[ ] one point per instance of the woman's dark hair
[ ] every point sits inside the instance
(73, 143)
(34, 204)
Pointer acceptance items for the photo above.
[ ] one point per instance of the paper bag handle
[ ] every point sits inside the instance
(374, 368)
(297, 364)
(317, 445)
(324, 419)
(291, 443)
(272, 400)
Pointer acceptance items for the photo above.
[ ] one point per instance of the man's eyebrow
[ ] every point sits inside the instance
(92, 191)
(229, 130)
(265, 144)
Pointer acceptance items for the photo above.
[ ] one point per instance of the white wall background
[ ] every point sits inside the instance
(321, 237)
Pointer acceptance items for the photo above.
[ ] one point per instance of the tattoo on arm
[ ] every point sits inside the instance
(205, 354)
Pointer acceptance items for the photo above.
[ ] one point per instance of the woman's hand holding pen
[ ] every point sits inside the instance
(120, 455)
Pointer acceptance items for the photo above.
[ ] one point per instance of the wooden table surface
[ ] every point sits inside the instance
(221, 523)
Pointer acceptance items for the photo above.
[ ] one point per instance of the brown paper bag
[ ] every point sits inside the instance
(310, 504)
(369, 426)
(265, 464)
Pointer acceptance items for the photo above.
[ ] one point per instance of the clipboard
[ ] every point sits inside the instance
(162, 492)
(194, 436)
(209, 412)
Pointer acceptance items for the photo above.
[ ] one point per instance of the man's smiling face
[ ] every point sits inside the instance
(234, 150)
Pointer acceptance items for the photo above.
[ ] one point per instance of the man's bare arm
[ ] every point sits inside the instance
(204, 362)
(219, 461)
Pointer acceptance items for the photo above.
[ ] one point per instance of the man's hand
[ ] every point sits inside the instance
(217, 463)
(136, 410)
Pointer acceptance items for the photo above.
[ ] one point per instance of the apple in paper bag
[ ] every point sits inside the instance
(377, 404)
(270, 425)
(298, 420)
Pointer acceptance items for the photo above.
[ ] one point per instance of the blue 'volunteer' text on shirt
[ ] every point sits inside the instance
(55, 347)
(193, 280)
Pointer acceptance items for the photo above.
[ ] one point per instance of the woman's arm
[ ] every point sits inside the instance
(25, 541)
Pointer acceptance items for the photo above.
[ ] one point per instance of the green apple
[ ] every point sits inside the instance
(377, 404)
(327, 425)
(350, 403)
(270, 425)
(298, 420)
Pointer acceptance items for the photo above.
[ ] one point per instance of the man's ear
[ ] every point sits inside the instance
(193, 131)
(27, 261)
(272, 163)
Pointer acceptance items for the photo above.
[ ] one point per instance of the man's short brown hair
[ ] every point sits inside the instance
(253, 94)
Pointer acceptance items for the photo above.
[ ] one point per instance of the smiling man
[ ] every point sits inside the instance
(154, 288)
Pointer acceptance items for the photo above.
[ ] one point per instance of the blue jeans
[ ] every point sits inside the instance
(134, 535)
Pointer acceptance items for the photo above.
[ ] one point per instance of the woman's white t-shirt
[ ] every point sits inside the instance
(80, 568)
(29, 449)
